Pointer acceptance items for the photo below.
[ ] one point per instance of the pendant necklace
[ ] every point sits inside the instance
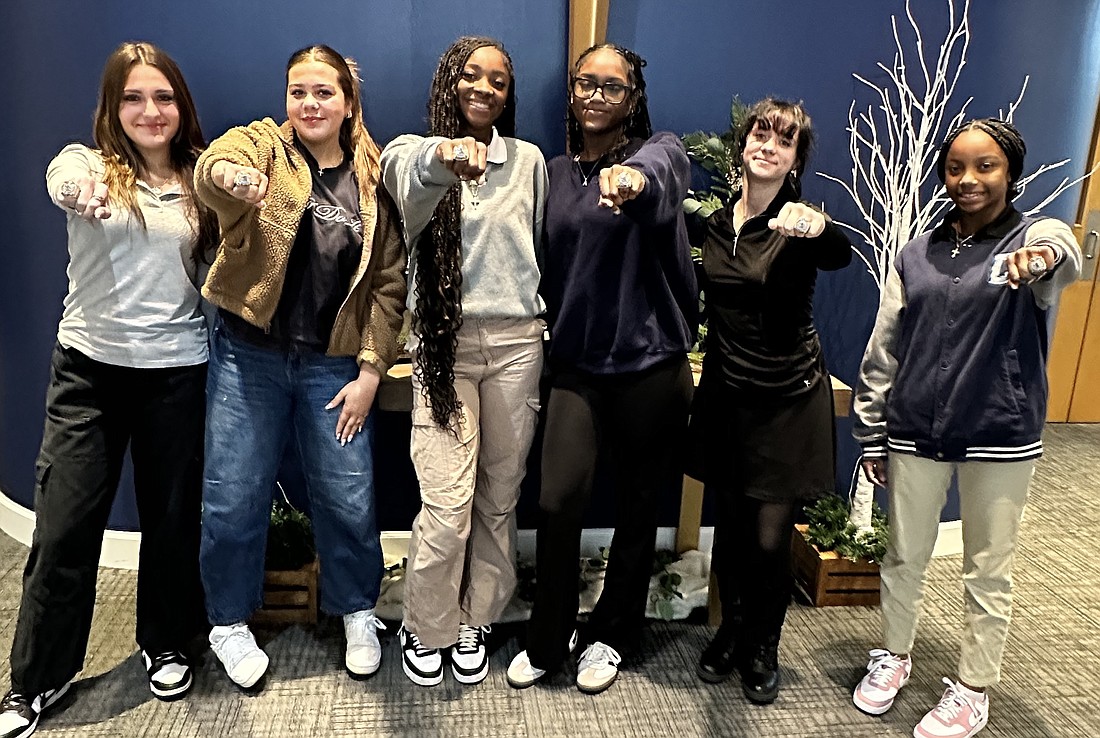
(960, 242)
(591, 171)
(474, 186)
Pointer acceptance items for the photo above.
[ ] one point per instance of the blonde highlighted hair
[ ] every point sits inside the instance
(354, 138)
(124, 162)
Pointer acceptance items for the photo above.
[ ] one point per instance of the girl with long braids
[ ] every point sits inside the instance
(471, 197)
(621, 303)
(953, 382)
(309, 283)
(128, 373)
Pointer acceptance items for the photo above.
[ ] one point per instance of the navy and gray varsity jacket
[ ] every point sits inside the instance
(956, 366)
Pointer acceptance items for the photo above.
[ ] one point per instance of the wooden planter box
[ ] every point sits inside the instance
(289, 597)
(825, 578)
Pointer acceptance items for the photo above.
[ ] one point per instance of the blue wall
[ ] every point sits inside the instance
(699, 56)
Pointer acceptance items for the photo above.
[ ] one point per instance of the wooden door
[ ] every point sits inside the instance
(1074, 368)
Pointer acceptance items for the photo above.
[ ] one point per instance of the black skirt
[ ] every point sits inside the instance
(774, 449)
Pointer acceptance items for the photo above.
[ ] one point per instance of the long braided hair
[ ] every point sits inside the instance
(355, 141)
(437, 314)
(637, 123)
(1004, 135)
(123, 161)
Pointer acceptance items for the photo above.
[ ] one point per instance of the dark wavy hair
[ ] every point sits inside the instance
(124, 162)
(437, 315)
(637, 123)
(787, 117)
(1004, 134)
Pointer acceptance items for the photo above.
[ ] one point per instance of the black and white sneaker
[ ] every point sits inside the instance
(169, 674)
(424, 666)
(469, 658)
(19, 713)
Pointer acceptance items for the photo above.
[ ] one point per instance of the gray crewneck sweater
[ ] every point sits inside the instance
(501, 227)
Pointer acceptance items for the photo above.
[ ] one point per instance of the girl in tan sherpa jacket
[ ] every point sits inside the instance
(309, 282)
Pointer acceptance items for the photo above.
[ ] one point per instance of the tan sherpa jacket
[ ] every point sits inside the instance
(248, 272)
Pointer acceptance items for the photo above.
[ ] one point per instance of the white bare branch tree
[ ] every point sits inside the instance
(893, 145)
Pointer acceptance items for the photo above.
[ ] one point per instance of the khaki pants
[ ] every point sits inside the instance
(992, 496)
(462, 556)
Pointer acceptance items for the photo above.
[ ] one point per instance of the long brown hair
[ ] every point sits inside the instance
(124, 163)
(437, 315)
(355, 141)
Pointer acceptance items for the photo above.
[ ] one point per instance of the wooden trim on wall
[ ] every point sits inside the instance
(587, 26)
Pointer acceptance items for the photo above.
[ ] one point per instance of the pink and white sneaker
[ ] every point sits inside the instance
(958, 715)
(886, 675)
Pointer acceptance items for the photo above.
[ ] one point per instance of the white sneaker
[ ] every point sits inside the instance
(364, 653)
(597, 668)
(520, 672)
(235, 647)
(169, 674)
(886, 675)
(469, 658)
(19, 713)
(424, 666)
(958, 715)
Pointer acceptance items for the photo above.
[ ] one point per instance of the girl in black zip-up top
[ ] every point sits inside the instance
(764, 404)
(954, 382)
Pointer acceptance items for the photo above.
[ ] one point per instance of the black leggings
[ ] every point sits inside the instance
(638, 420)
(752, 552)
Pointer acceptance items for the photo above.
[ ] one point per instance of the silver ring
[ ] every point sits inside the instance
(623, 181)
(242, 179)
(459, 153)
(69, 188)
(1036, 266)
(802, 225)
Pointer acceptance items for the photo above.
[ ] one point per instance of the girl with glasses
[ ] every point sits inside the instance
(621, 303)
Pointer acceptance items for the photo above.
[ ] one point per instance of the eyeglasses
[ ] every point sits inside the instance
(613, 92)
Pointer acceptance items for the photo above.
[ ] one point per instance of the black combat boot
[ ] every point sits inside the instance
(760, 671)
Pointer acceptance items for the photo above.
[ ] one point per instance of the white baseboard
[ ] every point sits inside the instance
(120, 548)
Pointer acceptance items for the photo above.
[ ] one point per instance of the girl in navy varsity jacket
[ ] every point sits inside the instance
(953, 381)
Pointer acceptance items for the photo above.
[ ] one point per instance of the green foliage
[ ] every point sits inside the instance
(830, 530)
(719, 154)
(289, 539)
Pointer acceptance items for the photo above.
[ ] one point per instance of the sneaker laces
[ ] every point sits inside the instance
(469, 637)
(952, 702)
(599, 654)
(883, 666)
(358, 624)
(13, 700)
(237, 644)
(417, 646)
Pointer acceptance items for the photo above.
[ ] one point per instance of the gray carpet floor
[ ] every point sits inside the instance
(1049, 685)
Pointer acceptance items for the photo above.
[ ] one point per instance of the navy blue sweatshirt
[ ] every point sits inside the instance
(620, 289)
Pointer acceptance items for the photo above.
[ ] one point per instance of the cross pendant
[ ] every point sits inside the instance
(955, 251)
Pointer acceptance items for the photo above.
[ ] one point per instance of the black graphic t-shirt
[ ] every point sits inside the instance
(323, 260)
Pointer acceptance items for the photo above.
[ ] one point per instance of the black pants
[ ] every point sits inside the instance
(93, 411)
(752, 547)
(638, 420)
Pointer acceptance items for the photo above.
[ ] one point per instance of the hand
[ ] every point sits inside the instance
(357, 398)
(787, 222)
(1018, 272)
(875, 471)
(90, 203)
(470, 168)
(225, 175)
(612, 195)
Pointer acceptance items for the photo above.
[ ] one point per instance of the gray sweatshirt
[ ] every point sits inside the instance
(501, 225)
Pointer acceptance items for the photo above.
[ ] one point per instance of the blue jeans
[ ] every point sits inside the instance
(257, 400)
